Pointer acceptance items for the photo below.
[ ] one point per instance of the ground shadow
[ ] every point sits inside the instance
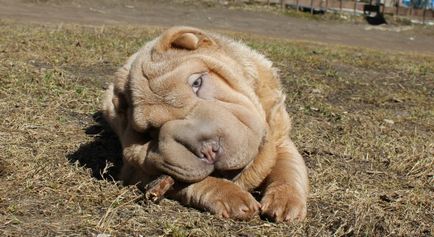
(103, 155)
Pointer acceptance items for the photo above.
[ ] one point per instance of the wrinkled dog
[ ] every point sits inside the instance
(209, 112)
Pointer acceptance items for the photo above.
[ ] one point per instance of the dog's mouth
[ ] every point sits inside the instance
(226, 174)
(191, 162)
(186, 176)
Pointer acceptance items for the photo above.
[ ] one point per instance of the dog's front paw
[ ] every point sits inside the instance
(231, 201)
(282, 204)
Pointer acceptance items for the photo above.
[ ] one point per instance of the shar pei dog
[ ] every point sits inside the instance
(209, 112)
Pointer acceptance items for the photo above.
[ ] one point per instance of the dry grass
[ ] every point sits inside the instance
(363, 120)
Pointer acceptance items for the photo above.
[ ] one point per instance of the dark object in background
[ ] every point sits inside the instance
(374, 13)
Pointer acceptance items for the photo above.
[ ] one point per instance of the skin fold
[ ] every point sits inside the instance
(210, 112)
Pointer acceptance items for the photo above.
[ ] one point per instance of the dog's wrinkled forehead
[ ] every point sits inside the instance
(162, 57)
(157, 73)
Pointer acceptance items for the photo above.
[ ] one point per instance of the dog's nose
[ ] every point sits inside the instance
(209, 151)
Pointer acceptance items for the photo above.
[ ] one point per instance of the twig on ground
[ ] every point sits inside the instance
(155, 190)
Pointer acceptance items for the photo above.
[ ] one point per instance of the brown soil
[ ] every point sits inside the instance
(214, 16)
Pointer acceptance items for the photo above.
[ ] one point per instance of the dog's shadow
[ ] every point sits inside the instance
(103, 155)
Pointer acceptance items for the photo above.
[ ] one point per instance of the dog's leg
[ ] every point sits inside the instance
(286, 187)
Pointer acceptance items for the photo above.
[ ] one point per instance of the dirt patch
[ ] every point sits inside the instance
(215, 16)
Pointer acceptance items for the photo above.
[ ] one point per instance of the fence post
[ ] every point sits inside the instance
(424, 11)
(355, 6)
(311, 7)
(397, 7)
(410, 9)
(340, 5)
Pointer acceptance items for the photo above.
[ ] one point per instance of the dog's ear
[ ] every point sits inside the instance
(115, 104)
(118, 98)
(187, 38)
(119, 101)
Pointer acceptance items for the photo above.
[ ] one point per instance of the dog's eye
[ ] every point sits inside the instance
(197, 84)
(196, 81)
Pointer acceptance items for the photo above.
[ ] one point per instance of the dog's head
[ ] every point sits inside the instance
(192, 102)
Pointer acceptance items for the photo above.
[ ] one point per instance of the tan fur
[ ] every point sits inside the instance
(151, 108)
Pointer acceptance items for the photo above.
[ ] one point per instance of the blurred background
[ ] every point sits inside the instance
(383, 24)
